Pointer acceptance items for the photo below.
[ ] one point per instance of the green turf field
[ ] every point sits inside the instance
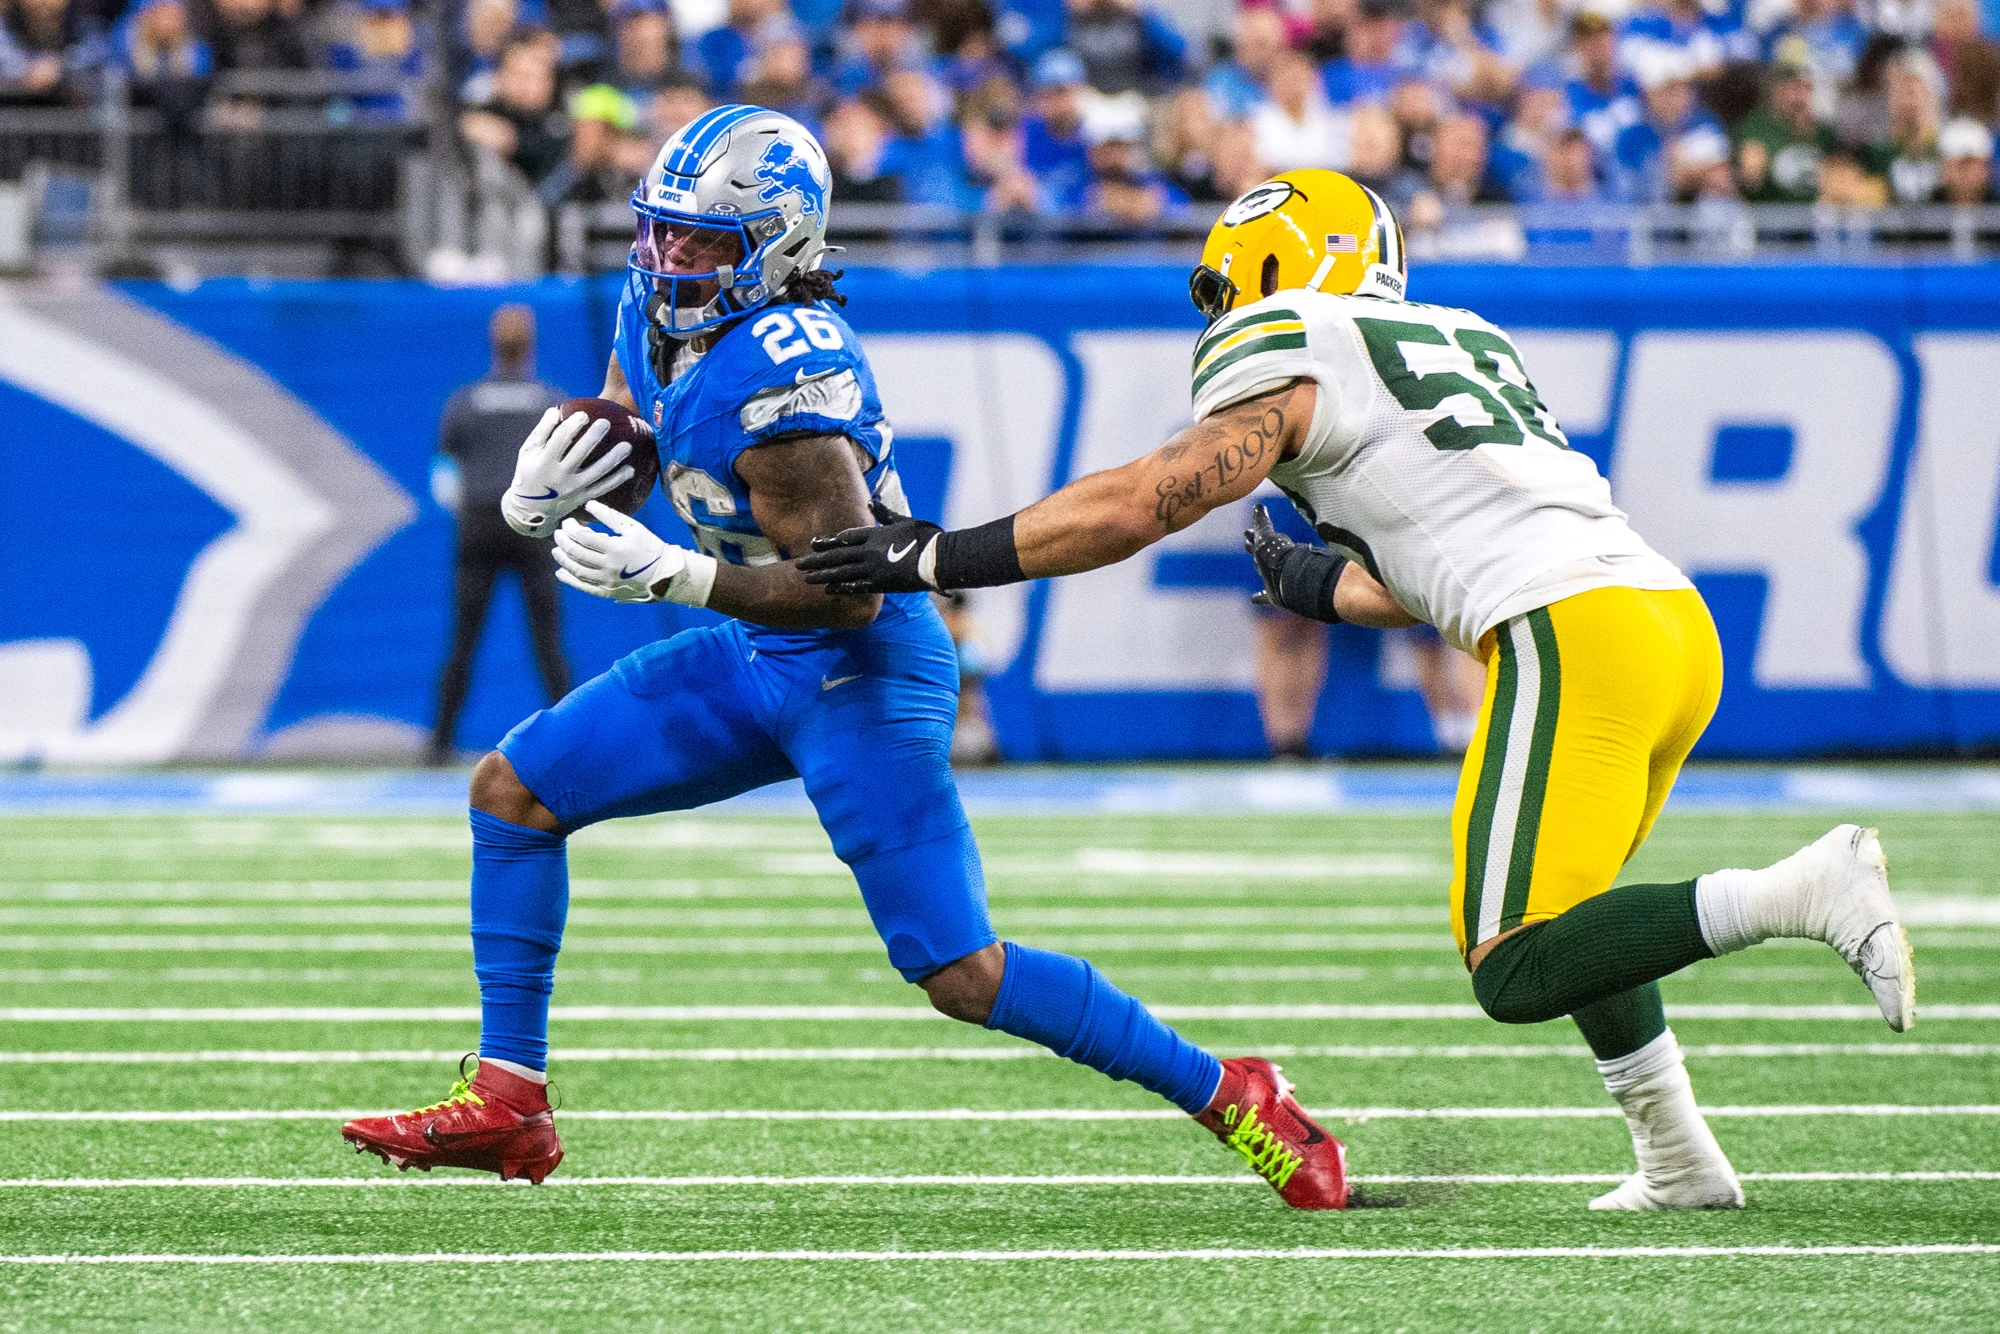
(173, 980)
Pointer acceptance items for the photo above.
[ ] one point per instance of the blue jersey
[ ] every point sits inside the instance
(783, 370)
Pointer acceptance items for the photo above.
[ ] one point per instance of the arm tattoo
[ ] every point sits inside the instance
(804, 485)
(1177, 490)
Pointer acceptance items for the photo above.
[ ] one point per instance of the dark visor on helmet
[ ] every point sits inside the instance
(1211, 293)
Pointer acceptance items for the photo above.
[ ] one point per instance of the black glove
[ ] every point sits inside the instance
(882, 559)
(1296, 577)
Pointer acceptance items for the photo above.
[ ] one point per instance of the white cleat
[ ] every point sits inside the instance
(1845, 882)
(1712, 1185)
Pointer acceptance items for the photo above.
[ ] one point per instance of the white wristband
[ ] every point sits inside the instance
(692, 585)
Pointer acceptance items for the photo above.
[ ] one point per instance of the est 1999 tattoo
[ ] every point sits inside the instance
(1175, 491)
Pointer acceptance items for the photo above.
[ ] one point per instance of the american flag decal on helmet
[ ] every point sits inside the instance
(1343, 245)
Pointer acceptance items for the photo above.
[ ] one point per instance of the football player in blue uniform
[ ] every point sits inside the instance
(770, 431)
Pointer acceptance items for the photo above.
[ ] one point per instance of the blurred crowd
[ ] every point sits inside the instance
(1107, 109)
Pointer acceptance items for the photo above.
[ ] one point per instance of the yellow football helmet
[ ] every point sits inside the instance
(1314, 229)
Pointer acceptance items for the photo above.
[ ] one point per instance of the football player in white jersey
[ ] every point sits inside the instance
(1413, 440)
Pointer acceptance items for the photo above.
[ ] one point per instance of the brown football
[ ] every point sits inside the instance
(644, 458)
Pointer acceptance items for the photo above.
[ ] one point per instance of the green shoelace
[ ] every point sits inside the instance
(1269, 1157)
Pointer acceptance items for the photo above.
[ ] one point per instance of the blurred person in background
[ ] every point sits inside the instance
(377, 40)
(1185, 146)
(254, 35)
(1843, 183)
(169, 66)
(878, 38)
(1527, 33)
(522, 125)
(48, 50)
(997, 179)
(1965, 169)
(1459, 162)
(607, 150)
(1453, 686)
(1706, 41)
(1052, 131)
(1970, 61)
(726, 55)
(782, 74)
(1780, 146)
(1125, 187)
(478, 442)
(1521, 149)
(1568, 174)
(1298, 126)
(1237, 166)
(645, 49)
(857, 145)
(1454, 52)
(1236, 86)
(482, 36)
(1603, 97)
(1824, 38)
(1905, 158)
(1646, 154)
(1376, 159)
(968, 50)
(1126, 46)
(678, 100)
(1290, 654)
(972, 741)
(1419, 108)
(925, 153)
(1375, 60)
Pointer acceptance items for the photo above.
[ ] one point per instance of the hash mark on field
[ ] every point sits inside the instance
(403, 1181)
(1011, 1053)
(991, 1257)
(1015, 1114)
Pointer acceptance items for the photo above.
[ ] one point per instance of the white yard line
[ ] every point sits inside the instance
(1014, 1114)
(405, 1180)
(1361, 1253)
(570, 1055)
(1256, 942)
(818, 1013)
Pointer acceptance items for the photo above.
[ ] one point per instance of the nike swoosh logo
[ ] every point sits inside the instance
(553, 493)
(896, 553)
(828, 684)
(627, 574)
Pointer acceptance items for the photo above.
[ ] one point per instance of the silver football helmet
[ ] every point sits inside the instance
(734, 205)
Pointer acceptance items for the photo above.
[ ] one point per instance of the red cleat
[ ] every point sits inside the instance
(1255, 1114)
(494, 1122)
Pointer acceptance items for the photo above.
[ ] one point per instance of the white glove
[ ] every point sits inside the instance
(550, 478)
(630, 563)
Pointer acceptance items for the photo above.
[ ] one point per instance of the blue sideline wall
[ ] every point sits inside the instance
(1820, 447)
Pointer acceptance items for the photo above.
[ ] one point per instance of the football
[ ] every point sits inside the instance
(644, 458)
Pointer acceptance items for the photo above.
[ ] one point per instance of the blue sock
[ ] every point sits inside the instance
(520, 899)
(1067, 1006)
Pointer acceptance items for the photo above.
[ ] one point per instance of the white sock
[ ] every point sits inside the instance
(1679, 1161)
(513, 1068)
(1725, 904)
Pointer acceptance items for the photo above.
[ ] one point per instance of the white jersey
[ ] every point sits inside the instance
(1430, 459)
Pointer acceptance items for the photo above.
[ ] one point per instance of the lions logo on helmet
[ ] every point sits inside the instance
(1310, 229)
(733, 207)
(784, 170)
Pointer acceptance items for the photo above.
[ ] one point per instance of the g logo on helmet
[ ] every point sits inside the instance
(784, 170)
(1266, 198)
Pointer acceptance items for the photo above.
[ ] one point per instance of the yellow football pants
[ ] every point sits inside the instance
(1591, 706)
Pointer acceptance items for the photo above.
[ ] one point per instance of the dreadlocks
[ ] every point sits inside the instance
(809, 285)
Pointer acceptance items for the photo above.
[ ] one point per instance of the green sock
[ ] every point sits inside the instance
(1619, 940)
(1622, 1022)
